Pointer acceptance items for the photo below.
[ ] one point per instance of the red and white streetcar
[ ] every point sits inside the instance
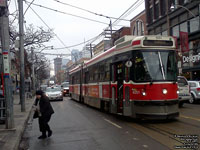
(137, 78)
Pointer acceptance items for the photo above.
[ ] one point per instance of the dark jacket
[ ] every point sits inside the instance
(45, 106)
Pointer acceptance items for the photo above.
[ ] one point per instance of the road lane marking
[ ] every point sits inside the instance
(187, 117)
(113, 123)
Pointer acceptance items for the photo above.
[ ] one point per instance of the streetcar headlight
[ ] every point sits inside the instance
(178, 92)
(164, 91)
(143, 93)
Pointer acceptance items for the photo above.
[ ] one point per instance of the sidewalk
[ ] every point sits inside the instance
(10, 138)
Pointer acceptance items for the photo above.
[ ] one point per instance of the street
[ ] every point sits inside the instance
(79, 127)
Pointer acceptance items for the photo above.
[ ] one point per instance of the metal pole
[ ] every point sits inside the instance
(6, 66)
(91, 50)
(33, 70)
(111, 44)
(21, 48)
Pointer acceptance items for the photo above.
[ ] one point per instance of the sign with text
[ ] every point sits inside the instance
(184, 41)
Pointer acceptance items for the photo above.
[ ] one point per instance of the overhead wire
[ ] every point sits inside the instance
(58, 11)
(28, 7)
(139, 3)
(88, 10)
(124, 13)
(48, 27)
(96, 37)
(16, 13)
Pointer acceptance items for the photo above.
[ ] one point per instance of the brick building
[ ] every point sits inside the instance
(178, 18)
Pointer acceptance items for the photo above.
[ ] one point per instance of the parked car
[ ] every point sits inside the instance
(184, 90)
(54, 93)
(195, 91)
(65, 88)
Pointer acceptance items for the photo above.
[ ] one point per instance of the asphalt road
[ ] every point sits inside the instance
(79, 127)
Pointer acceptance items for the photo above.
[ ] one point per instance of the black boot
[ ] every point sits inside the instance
(43, 136)
(49, 133)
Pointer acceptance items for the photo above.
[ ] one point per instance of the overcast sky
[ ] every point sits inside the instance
(74, 30)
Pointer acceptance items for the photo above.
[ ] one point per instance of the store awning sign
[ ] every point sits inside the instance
(184, 41)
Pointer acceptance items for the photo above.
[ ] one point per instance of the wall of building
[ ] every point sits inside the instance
(138, 24)
(182, 22)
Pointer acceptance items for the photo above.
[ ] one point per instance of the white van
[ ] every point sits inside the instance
(184, 90)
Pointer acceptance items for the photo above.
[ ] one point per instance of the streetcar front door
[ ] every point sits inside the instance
(117, 87)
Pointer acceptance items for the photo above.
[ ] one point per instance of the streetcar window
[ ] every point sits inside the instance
(91, 74)
(101, 71)
(87, 77)
(153, 65)
(97, 74)
(107, 70)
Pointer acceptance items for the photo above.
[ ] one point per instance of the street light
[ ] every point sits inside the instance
(173, 7)
(194, 16)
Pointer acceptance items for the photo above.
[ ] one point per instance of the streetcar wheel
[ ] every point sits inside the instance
(192, 99)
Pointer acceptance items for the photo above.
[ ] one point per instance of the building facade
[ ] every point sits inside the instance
(138, 24)
(57, 65)
(178, 18)
(120, 33)
(75, 55)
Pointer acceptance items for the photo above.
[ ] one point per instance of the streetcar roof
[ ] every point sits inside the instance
(129, 42)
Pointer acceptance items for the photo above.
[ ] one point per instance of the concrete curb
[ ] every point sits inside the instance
(16, 147)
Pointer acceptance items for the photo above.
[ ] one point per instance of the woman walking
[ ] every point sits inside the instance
(43, 111)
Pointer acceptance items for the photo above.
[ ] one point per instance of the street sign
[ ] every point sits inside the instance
(6, 63)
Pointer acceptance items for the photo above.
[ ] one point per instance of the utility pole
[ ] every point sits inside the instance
(4, 29)
(91, 50)
(21, 49)
(33, 70)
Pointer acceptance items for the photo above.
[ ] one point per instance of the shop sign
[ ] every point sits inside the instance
(192, 58)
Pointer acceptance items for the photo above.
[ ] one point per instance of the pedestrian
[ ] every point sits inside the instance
(43, 111)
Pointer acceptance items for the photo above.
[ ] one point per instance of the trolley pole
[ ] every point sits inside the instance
(21, 49)
(4, 33)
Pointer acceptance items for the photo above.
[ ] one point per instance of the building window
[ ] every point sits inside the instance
(138, 28)
(163, 7)
(194, 24)
(184, 27)
(156, 10)
(175, 31)
(150, 18)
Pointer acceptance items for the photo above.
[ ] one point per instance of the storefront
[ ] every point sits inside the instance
(191, 61)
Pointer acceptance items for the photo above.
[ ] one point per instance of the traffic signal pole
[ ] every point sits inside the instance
(4, 33)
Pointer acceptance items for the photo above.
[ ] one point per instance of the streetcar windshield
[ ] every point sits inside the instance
(154, 66)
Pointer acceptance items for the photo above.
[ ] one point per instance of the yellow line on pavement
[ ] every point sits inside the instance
(187, 117)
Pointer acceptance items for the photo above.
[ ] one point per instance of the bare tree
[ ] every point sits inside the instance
(35, 38)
